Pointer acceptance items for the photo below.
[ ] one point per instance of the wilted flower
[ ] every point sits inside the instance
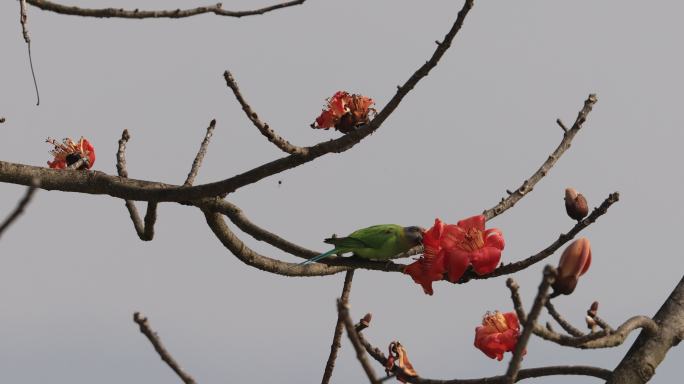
(468, 241)
(69, 152)
(498, 334)
(345, 112)
(574, 262)
(575, 204)
(399, 357)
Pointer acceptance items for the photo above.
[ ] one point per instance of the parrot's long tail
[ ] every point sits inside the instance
(319, 257)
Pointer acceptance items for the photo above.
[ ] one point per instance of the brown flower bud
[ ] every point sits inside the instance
(575, 204)
(573, 263)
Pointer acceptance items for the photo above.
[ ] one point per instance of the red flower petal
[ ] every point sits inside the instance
(477, 222)
(494, 238)
(456, 263)
(485, 260)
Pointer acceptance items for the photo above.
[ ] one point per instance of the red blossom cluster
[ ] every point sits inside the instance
(69, 152)
(452, 248)
(345, 112)
(498, 334)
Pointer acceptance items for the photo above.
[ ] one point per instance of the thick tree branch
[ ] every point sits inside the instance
(650, 348)
(159, 347)
(265, 130)
(131, 189)
(18, 210)
(528, 185)
(254, 259)
(145, 230)
(339, 327)
(216, 9)
(197, 163)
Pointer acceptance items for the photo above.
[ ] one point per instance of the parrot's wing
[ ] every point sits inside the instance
(346, 242)
(377, 235)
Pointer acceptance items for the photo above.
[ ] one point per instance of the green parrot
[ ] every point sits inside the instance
(379, 242)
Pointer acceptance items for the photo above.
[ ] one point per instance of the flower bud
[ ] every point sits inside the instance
(573, 263)
(575, 204)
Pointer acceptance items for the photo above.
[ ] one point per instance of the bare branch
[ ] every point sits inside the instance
(23, 19)
(529, 184)
(159, 347)
(197, 163)
(138, 14)
(265, 130)
(254, 259)
(650, 348)
(548, 251)
(529, 324)
(339, 327)
(130, 189)
(19, 209)
(144, 230)
(569, 328)
(528, 373)
(343, 312)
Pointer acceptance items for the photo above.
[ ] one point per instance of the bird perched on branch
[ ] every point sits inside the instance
(379, 242)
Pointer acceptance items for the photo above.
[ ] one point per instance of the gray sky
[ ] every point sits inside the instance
(478, 125)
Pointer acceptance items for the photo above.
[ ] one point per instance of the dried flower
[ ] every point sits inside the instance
(574, 262)
(498, 334)
(575, 204)
(399, 357)
(345, 112)
(69, 152)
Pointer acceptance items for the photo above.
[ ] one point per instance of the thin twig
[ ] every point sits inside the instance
(23, 19)
(159, 347)
(197, 163)
(339, 327)
(138, 14)
(19, 209)
(144, 230)
(343, 311)
(265, 130)
(529, 324)
(529, 184)
(569, 328)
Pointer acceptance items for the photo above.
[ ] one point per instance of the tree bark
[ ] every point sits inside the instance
(639, 364)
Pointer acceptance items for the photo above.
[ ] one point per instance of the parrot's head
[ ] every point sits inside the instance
(414, 234)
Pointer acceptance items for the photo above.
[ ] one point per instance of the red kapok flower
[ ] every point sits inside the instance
(498, 334)
(69, 152)
(430, 267)
(574, 262)
(345, 112)
(468, 241)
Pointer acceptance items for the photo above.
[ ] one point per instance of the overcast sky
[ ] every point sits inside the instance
(479, 124)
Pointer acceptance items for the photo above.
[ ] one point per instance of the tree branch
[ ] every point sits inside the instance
(159, 347)
(339, 327)
(144, 230)
(529, 184)
(265, 130)
(254, 259)
(197, 163)
(343, 312)
(529, 324)
(131, 189)
(216, 9)
(569, 328)
(19, 209)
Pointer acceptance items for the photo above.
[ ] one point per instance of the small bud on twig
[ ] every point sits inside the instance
(575, 204)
